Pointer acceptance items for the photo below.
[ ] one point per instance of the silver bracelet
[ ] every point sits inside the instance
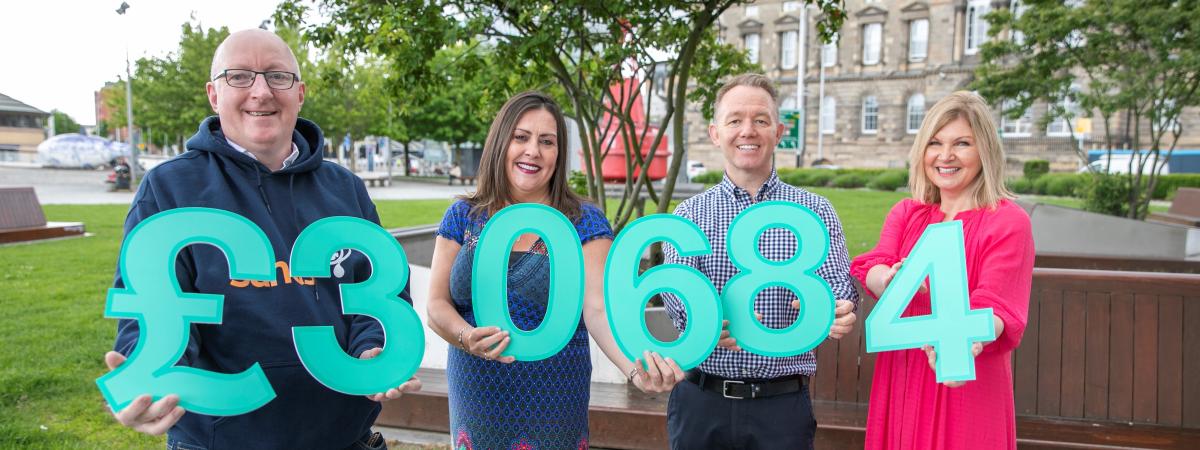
(461, 344)
(634, 372)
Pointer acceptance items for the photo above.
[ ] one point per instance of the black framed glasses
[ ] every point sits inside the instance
(243, 78)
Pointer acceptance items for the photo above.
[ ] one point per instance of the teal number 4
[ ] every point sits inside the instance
(953, 326)
(164, 313)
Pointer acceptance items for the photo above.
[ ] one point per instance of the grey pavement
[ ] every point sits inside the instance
(62, 186)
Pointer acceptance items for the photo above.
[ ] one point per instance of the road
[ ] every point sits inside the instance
(60, 186)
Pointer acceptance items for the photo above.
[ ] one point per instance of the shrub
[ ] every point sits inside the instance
(1106, 194)
(578, 183)
(851, 180)
(1036, 168)
(1167, 184)
(889, 180)
(710, 177)
(1020, 185)
(1058, 184)
(820, 177)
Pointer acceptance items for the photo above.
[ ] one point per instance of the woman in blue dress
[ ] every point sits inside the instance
(495, 401)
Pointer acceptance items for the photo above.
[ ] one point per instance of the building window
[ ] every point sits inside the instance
(872, 40)
(870, 115)
(1060, 126)
(916, 113)
(829, 53)
(750, 41)
(790, 6)
(751, 11)
(828, 113)
(1164, 125)
(1019, 127)
(976, 25)
(918, 39)
(1018, 9)
(787, 49)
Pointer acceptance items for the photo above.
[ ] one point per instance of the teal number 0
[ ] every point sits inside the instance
(164, 313)
(489, 279)
(953, 326)
(377, 297)
(798, 274)
(626, 292)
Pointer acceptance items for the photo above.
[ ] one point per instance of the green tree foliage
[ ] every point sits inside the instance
(575, 49)
(63, 123)
(1133, 61)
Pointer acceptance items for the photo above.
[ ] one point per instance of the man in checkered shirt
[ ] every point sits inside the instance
(736, 399)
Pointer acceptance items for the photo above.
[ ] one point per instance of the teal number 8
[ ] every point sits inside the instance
(377, 297)
(798, 274)
(626, 292)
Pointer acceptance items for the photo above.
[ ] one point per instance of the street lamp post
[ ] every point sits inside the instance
(133, 152)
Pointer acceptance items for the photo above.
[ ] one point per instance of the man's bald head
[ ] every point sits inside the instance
(250, 40)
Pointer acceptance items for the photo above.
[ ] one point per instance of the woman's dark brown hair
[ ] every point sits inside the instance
(494, 191)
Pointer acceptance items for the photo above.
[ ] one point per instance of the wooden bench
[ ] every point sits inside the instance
(21, 218)
(1185, 209)
(373, 179)
(1107, 361)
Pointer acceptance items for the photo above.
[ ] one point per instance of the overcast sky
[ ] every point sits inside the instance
(57, 53)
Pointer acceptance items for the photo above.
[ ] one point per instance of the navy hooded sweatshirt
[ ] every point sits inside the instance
(258, 316)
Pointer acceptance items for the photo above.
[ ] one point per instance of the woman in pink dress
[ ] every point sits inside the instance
(956, 173)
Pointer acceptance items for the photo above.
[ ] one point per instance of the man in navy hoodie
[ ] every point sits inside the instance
(258, 159)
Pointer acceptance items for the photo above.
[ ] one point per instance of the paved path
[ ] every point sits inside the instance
(58, 186)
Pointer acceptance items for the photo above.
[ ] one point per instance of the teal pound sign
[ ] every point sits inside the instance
(377, 297)
(953, 326)
(626, 292)
(489, 279)
(164, 313)
(797, 273)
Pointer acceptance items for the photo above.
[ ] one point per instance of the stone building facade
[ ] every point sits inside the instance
(892, 61)
(22, 128)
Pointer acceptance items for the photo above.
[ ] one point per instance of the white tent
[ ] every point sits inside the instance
(73, 150)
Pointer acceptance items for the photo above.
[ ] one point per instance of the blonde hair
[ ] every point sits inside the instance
(987, 189)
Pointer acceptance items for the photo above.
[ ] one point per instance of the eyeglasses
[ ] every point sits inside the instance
(242, 78)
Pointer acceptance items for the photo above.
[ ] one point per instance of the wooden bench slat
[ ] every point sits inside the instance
(1025, 359)
(1074, 329)
(1145, 358)
(1096, 358)
(1120, 388)
(1191, 363)
(1170, 360)
(1050, 355)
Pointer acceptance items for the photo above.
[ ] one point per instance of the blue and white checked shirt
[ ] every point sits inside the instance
(713, 211)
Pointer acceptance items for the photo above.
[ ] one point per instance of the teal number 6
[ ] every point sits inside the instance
(953, 326)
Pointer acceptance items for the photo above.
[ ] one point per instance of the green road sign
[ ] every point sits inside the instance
(791, 138)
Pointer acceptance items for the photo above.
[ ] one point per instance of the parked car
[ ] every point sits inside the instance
(695, 168)
(1120, 164)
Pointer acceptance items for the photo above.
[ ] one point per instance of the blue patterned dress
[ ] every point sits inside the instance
(522, 405)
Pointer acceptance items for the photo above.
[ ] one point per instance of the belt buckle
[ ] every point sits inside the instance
(725, 389)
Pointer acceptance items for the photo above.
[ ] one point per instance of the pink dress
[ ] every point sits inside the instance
(908, 408)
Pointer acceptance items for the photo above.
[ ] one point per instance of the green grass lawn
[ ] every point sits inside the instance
(54, 334)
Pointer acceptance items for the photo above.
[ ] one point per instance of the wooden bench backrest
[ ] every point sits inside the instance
(1099, 345)
(19, 208)
(1186, 203)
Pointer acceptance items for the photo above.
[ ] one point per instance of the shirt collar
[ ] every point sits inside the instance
(291, 159)
(766, 189)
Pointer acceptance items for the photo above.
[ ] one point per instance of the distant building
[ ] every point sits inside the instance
(22, 128)
(892, 61)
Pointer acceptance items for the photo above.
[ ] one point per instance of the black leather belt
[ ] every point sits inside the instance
(742, 389)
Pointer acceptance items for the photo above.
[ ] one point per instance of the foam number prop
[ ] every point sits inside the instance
(953, 326)
(377, 297)
(165, 314)
(626, 292)
(489, 279)
(797, 273)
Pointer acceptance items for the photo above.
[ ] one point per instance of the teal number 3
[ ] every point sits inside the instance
(377, 297)
(953, 326)
(164, 313)
(797, 273)
(626, 293)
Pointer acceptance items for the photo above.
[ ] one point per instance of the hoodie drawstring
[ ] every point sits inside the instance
(261, 192)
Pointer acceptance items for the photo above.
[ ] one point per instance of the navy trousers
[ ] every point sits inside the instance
(699, 419)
